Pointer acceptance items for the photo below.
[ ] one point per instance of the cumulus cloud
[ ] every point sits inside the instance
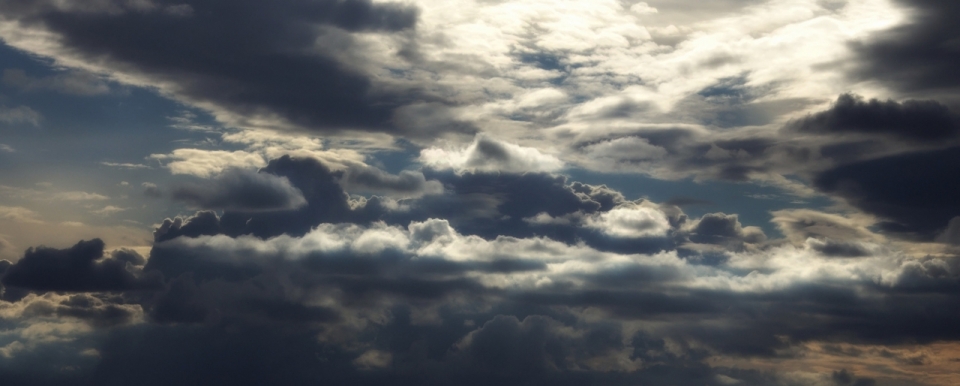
(306, 261)
(919, 120)
(487, 154)
(631, 221)
(76, 269)
(721, 228)
(241, 190)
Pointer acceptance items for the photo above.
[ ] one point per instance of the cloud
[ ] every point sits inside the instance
(286, 75)
(798, 225)
(951, 235)
(241, 190)
(918, 120)
(19, 114)
(17, 213)
(916, 56)
(721, 228)
(207, 163)
(79, 268)
(487, 154)
(405, 184)
(913, 193)
(125, 165)
(74, 83)
(631, 221)
(108, 210)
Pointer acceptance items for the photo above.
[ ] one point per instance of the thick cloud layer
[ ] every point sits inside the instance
(429, 235)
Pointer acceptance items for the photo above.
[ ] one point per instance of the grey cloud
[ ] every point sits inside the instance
(407, 183)
(352, 289)
(243, 59)
(919, 56)
(918, 120)
(81, 268)
(839, 248)
(20, 114)
(128, 256)
(151, 190)
(75, 83)
(203, 223)
(951, 235)
(915, 193)
(721, 228)
(800, 224)
(241, 190)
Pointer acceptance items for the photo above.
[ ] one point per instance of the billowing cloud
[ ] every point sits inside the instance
(76, 269)
(286, 72)
(473, 192)
(913, 120)
(487, 154)
(241, 190)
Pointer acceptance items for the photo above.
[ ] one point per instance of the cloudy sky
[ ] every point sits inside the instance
(477, 192)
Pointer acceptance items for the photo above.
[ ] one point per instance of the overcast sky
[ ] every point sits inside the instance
(480, 192)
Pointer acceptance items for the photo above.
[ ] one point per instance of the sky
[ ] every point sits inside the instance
(480, 192)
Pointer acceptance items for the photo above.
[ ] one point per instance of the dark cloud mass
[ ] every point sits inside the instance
(330, 291)
(242, 190)
(911, 120)
(80, 268)
(347, 259)
(245, 58)
(919, 56)
(913, 193)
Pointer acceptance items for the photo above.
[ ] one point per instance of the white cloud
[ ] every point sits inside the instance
(207, 163)
(18, 213)
(631, 221)
(487, 154)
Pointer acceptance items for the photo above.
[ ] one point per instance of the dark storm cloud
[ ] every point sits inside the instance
(918, 120)
(244, 58)
(80, 268)
(919, 56)
(914, 193)
(241, 190)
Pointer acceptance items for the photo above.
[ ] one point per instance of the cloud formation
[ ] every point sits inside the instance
(241, 190)
(521, 192)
